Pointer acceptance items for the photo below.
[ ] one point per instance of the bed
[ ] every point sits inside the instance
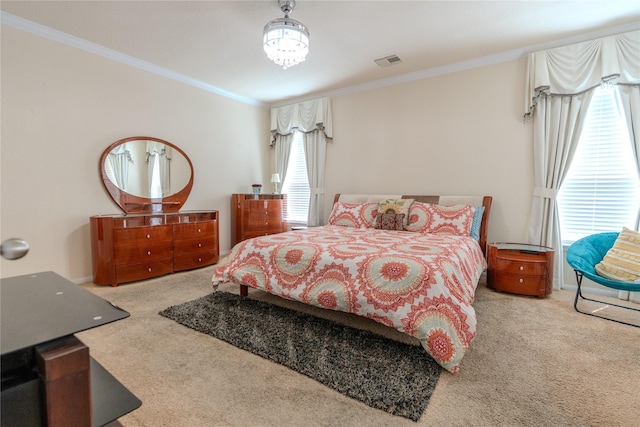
(410, 262)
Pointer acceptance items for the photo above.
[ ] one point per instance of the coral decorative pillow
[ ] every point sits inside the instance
(389, 221)
(397, 206)
(418, 217)
(357, 215)
(622, 261)
(430, 218)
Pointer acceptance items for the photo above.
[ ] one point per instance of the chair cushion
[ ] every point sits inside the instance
(622, 261)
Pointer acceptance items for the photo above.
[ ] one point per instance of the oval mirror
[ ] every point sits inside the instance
(144, 174)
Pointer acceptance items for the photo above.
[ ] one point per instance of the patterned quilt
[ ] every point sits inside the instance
(420, 284)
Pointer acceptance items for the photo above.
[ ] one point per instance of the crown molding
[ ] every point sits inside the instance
(55, 35)
(463, 65)
(69, 40)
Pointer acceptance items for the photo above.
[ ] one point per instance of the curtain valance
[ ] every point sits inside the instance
(154, 148)
(305, 116)
(572, 69)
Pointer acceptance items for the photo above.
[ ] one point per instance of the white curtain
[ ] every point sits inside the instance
(119, 160)
(283, 150)
(559, 88)
(630, 100)
(315, 153)
(159, 169)
(556, 131)
(314, 119)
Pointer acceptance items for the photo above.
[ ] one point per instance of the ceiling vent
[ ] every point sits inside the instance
(388, 60)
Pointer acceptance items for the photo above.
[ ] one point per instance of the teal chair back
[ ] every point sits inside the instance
(584, 254)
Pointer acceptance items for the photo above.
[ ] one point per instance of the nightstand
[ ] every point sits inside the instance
(520, 268)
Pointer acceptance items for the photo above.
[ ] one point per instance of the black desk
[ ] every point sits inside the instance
(39, 314)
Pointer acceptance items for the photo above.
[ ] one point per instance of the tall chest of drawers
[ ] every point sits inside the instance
(135, 247)
(254, 215)
(520, 268)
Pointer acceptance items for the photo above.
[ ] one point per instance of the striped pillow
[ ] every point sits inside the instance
(622, 261)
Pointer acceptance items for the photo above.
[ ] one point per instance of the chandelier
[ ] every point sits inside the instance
(285, 40)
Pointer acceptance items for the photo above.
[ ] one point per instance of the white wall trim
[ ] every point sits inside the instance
(464, 65)
(55, 35)
(69, 40)
(82, 280)
(594, 291)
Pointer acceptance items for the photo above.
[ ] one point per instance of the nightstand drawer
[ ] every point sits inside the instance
(520, 284)
(520, 267)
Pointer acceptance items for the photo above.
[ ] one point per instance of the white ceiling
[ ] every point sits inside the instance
(218, 43)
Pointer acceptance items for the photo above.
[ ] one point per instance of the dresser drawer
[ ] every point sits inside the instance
(143, 270)
(194, 260)
(143, 253)
(196, 245)
(193, 230)
(531, 268)
(263, 212)
(143, 235)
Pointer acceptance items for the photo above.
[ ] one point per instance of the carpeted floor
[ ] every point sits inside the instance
(385, 374)
(533, 363)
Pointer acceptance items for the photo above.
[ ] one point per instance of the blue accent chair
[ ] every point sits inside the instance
(582, 256)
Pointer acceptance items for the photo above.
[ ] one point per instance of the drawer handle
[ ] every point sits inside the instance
(521, 268)
(199, 230)
(149, 269)
(199, 245)
(148, 236)
(148, 253)
(521, 280)
(199, 259)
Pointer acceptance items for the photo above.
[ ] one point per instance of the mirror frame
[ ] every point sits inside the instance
(130, 203)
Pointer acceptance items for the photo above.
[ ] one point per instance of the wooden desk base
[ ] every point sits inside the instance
(65, 368)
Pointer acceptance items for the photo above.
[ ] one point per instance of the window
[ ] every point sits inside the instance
(296, 183)
(601, 191)
(155, 186)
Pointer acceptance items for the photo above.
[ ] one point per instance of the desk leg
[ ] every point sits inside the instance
(64, 366)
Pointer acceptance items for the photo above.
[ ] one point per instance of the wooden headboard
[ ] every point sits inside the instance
(438, 200)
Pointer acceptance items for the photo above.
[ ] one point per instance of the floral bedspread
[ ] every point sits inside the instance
(420, 284)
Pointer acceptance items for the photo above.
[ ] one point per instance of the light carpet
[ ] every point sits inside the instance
(534, 362)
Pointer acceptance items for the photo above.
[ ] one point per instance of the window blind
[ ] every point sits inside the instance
(601, 191)
(296, 184)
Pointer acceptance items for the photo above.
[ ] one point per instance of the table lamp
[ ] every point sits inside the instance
(275, 178)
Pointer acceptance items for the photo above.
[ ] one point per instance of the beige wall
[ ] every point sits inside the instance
(460, 133)
(61, 107)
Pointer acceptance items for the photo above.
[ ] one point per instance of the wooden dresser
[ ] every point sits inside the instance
(520, 268)
(254, 215)
(125, 248)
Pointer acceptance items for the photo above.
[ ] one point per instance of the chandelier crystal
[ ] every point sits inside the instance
(285, 40)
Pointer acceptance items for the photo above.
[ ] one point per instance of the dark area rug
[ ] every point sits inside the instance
(385, 374)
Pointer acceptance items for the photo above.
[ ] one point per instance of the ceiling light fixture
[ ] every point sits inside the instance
(285, 40)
